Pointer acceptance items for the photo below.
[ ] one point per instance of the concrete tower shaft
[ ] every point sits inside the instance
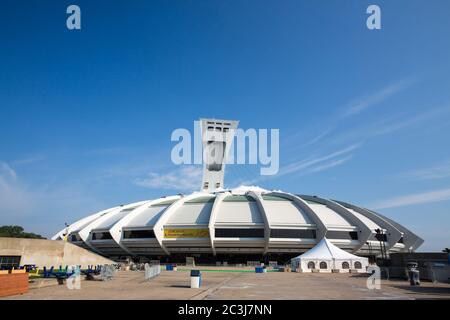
(217, 137)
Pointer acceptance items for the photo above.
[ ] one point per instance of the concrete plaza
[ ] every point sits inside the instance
(230, 285)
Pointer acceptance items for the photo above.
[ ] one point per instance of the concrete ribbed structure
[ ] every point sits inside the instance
(242, 222)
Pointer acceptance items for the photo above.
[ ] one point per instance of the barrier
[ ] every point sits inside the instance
(196, 279)
(13, 283)
(107, 272)
(151, 271)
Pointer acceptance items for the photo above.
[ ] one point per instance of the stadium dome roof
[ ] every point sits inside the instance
(244, 220)
(241, 220)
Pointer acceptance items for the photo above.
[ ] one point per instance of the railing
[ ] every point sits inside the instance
(152, 271)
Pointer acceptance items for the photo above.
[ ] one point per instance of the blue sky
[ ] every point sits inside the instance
(86, 116)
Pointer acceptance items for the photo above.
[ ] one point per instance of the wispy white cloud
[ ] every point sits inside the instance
(413, 199)
(365, 129)
(360, 104)
(402, 122)
(308, 163)
(430, 173)
(331, 164)
(40, 208)
(6, 173)
(390, 125)
(28, 160)
(184, 179)
(319, 137)
(107, 151)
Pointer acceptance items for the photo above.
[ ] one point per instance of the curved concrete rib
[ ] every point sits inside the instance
(364, 231)
(321, 228)
(410, 239)
(262, 209)
(116, 229)
(78, 223)
(212, 218)
(158, 229)
(393, 234)
(85, 232)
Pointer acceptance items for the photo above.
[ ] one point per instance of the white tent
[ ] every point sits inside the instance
(326, 257)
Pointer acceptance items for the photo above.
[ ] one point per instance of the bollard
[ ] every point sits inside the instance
(413, 273)
(414, 278)
(196, 279)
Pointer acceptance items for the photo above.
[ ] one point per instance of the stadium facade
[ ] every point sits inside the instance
(245, 223)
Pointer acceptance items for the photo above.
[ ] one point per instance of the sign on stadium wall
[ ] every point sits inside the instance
(186, 233)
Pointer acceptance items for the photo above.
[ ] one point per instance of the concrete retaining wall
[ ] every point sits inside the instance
(47, 253)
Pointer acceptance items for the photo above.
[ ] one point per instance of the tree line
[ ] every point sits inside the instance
(18, 232)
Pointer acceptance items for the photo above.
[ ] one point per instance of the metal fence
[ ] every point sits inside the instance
(107, 272)
(152, 271)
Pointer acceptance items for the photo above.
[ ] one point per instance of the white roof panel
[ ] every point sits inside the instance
(112, 219)
(329, 217)
(191, 213)
(147, 218)
(369, 223)
(285, 212)
(239, 212)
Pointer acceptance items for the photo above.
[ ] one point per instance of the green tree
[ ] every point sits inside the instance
(17, 232)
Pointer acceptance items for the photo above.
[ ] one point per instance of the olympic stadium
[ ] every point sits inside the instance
(240, 224)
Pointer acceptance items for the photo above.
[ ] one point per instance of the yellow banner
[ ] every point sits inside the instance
(186, 233)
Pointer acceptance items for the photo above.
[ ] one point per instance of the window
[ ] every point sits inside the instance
(352, 235)
(358, 265)
(381, 237)
(293, 233)
(138, 234)
(217, 184)
(166, 202)
(239, 233)
(9, 262)
(311, 265)
(274, 198)
(206, 185)
(101, 236)
(238, 198)
(200, 200)
(74, 238)
(345, 265)
(323, 265)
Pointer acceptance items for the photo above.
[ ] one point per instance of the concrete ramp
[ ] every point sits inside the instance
(47, 253)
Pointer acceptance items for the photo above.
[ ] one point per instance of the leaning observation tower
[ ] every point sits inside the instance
(240, 224)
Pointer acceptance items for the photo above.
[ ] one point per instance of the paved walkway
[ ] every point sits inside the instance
(236, 285)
